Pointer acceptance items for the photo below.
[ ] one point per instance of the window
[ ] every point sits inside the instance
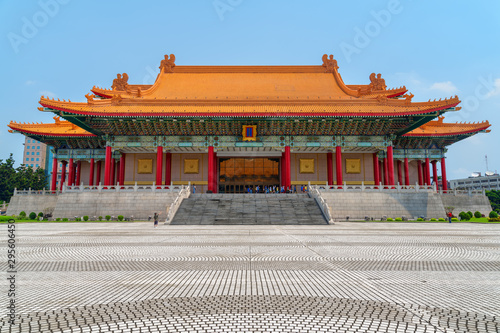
(32, 165)
(37, 147)
(37, 159)
(28, 141)
(27, 153)
(32, 159)
(32, 153)
(38, 153)
(27, 159)
(36, 165)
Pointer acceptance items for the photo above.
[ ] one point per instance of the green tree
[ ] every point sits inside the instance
(7, 178)
(23, 177)
(494, 197)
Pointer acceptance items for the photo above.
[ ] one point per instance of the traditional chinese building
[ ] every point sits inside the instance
(227, 128)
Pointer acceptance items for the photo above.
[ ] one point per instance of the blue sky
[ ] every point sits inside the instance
(61, 48)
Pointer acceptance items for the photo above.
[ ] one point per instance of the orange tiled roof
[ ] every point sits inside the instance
(123, 107)
(59, 128)
(439, 128)
(249, 91)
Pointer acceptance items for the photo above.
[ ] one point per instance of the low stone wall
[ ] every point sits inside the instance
(357, 205)
(140, 205)
(31, 203)
(465, 203)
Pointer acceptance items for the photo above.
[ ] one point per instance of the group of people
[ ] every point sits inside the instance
(275, 189)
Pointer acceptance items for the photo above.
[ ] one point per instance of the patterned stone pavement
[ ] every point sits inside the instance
(347, 277)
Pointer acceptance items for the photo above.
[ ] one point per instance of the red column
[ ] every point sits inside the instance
(329, 167)
(91, 172)
(376, 171)
(419, 172)
(159, 164)
(407, 172)
(390, 165)
(282, 169)
(288, 173)
(98, 173)
(71, 172)
(400, 173)
(122, 170)
(386, 172)
(435, 174)
(63, 174)
(211, 168)
(380, 173)
(107, 166)
(78, 172)
(215, 174)
(112, 175)
(338, 164)
(53, 185)
(427, 171)
(168, 168)
(443, 175)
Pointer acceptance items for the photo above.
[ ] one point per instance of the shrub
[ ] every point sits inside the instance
(477, 214)
(108, 217)
(433, 220)
(463, 216)
(399, 219)
(85, 218)
(100, 218)
(454, 219)
(494, 219)
(441, 219)
(78, 219)
(58, 219)
(420, 219)
(65, 219)
(493, 214)
(22, 215)
(120, 217)
(32, 215)
(390, 219)
(40, 214)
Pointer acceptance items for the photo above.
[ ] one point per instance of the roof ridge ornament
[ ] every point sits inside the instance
(377, 82)
(121, 82)
(90, 98)
(116, 99)
(329, 63)
(167, 65)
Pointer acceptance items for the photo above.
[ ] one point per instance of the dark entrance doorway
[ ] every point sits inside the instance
(237, 175)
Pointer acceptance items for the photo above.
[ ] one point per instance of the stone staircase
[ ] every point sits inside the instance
(249, 209)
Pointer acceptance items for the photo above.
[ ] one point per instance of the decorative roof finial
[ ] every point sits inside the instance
(120, 83)
(167, 65)
(330, 64)
(377, 82)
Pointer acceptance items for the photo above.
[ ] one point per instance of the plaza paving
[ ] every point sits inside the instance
(347, 277)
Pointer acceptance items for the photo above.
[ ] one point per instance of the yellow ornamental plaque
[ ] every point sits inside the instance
(145, 166)
(249, 132)
(352, 165)
(191, 165)
(306, 165)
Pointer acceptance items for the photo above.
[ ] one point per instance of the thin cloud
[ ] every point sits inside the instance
(496, 89)
(445, 87)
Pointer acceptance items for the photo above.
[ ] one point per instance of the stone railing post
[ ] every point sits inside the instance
(362, 186)
(135, 187)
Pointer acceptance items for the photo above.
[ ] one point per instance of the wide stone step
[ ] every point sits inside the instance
(249, 209)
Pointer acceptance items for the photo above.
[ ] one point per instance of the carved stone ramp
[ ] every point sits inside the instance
(249, 209)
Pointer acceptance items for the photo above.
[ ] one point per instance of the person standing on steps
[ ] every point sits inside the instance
(156, 218)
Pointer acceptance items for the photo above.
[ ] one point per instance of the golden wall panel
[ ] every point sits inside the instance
(306, 165)
(191, 166)
(352, 165)
(145, 165)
